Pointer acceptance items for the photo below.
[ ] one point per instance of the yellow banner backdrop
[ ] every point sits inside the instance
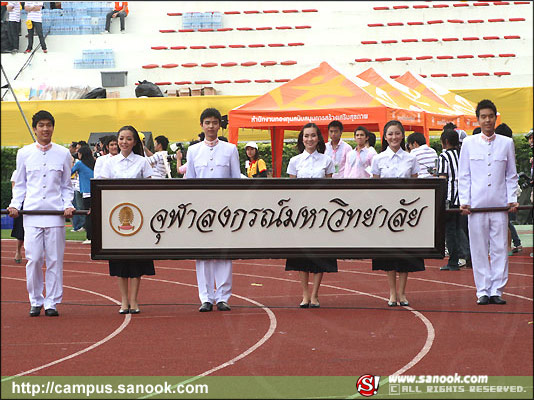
(178, 117)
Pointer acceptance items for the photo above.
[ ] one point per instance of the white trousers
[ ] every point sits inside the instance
(44, 244)
(214, 278)
(488, 234)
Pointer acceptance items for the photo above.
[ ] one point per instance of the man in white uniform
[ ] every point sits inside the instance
(43, 183)
(487, 177)
(213, 158)
(337, 149)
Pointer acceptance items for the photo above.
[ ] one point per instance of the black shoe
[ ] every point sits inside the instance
(404, 303)
(483, 300)
(51, 312)
(124, 311)
(497, 300)
(135, 311)
(223, 306)
(205, 307)
(315, 305)
(35, 311)
(304, 305)
(392, 304)
(449, 268)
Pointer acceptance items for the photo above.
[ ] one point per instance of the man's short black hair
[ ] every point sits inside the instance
(83, 143)
(504, 130)
(450, 136)
(450, 125)
(336, 124)
(477, 130)
(482, 104)
(365, 130)
(42, 115)
(210, 112)
(416, 137)
(163, 141)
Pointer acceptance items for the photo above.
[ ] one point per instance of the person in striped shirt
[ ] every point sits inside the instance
(426, 156)
(448, 169)
(158, 160)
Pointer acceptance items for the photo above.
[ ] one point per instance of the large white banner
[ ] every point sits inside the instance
(266, 218)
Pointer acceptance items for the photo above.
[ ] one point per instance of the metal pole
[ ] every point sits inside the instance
(46, 212)
(18, 104)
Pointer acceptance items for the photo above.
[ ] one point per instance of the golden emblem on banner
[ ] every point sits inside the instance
(126, 219)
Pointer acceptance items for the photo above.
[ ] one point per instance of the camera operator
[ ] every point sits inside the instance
(159, 161)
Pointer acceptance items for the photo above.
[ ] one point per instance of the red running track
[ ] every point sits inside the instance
(442, 332)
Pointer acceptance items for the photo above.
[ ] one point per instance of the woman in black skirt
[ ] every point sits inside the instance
(311, 163)
(394, 162)
(117, 167)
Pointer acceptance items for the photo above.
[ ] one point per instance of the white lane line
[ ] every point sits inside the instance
(124, 324)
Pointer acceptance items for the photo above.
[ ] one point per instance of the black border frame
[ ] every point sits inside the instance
(97, 185)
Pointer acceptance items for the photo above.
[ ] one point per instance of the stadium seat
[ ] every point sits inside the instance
(400, 7)
(270, 11)
(468, 38)
(363, 60)
(282, 80)
(418, 6)
(460, 5)
(513, 37)
(490, 37)
(444, 57)
(382, 59)
(251, 12)
(163, 83)
(507, 55)
(374, 25)
(167, 30)
(462, 56)
(255, 45)
(303, 27)
(480, 4)
(475, 21)
(185, 30)
(516, 19)
(500, 3)
(236, 46)
(262, 80)
(174, 14)
(440, 5)
(150, 66)
(209, 65)
(229, 64)
(456, 21)
(439, 75)
(264, 28)
(205, 30)
(410, 40)
(450, 39)
(217, 46)
(395, 24)
(268, 63)
(290, 11)
(501, 73)
(295, 44)
(288, 62)
(404, 58)
(283, 27)
(486, 55)
(496, 20)
(275, 45)
(244, 28)
(369, 42)
(242, 81)
(189, 65)
(225, 29)
(203, 82)
(380, 8)
(248, 63)
(222, 81)
(459, 74)
(232, 12)
(522, 2)
(197, 47)
(310, 10)
(394, 76)
(183, 83)
(422, 75)
(423, 57)
(429, 40)
(481, 73)
(169, 65)
(159, 47)
(416, 23)
(389, 41)
(435, 21)
(178, 47)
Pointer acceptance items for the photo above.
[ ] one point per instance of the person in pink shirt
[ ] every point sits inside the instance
(358, 160)
(336, 148)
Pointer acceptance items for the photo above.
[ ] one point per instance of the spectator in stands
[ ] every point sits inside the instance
(18, 227)
(159, 160)
(337, 149)
(358, 164)
(110, 148)
(84, 166)
(394, 162)
(255, 166)
(448, 169)
(121, 11)
(426, 156)
(34, 21)
(13, 7)
(486, 182)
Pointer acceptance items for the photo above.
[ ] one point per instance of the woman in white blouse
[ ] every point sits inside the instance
(394, 162)
(311, 163)
(130, 163)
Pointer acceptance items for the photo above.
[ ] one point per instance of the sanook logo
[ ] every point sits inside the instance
(367, 385)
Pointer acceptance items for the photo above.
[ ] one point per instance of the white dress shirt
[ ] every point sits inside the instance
(131, 167)
(314, 165)
(487, 175)
(99, 165)
(43, 182)
(358, 163)
(338, 156)
(394, 165)
(219, 161)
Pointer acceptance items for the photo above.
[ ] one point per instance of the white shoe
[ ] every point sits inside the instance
(86, 241)
(461, 262)
(123, 31)
(104, 32)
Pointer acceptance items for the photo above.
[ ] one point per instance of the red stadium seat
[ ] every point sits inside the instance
(380, 8)
(262, 80)
(420, 6)
(185, 30)
(507, 55)
(516, 19)
(423, 57)
(222, 81)
(244, 28)
(303, 27)
(288, 62)
(310, 10)
(461, 5)
(205, 30)
(501, 73)
(236, 46)
(481, 73)
(178, 47)
(242, 81)
(440, 5)
(382, 59)
(251, 12)
(256, 45)
(270, 11)
(159, 47)
(404, 58)
(217, 46)
(169, 65)
(471, 38)
(174, 14)
(389, 41)
(203, 82)
(268, 63)
(374, 25)
(150, 66)
(290, 11)
(522, 2)
(429, 40)
(163, 83)
(444, 57)
(475, 21)
(282, 80)
(189, 65)
(435, 21)
(459, 74)
(490, 37)
(409, 40)
(500, 3)
(232, 12)
(513, 37)
(275, 45)
(283, 27)
(422, 75)
(197, 47)
(439, 75)
(225, 29)
(395, 24)
(456, 21)
(480, 4)
(296, 44)
(450, 39)
(228, 64)
(248, 63)
(486, 55)
(400, 7)
(183, 83)
(167, 30)
(394, 76)
(496, 20)
(264, 28)
(416, 23)
(465, 56)
(209, 65)
(363, 60)
(369, 42)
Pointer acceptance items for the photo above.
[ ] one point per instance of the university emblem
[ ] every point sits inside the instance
(126, 219)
